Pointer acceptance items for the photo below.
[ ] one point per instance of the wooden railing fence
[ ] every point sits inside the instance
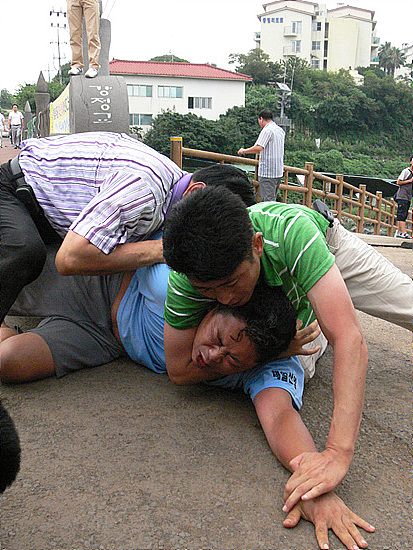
(344, 199)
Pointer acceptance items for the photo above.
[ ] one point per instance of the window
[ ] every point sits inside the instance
(315, 63)
(326, 30)
(281, 19)
(316, 45)
(296, 46)
(277, 20)
(296, 26)
(139, 90)
(170, 91)
(272, 20)
(199, 102)
(316, 25)
(140, 120)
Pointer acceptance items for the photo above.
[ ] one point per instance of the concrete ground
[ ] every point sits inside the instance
(118, 458)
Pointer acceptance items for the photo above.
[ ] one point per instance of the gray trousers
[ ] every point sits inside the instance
(269, 188)
(16, 132)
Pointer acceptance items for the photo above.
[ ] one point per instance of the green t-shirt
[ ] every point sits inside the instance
(295, 257)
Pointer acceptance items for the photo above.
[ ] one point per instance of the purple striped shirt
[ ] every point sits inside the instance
(106, 187)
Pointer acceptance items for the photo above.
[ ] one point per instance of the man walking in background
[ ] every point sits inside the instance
(270, 146)
(16, 126)
(2, 127)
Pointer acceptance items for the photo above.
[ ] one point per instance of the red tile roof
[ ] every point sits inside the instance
(165, 68)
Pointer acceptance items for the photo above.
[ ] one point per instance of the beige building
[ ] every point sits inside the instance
(343, 37)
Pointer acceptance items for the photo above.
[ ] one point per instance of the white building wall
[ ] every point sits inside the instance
(224, 94)
(277, 38)
(349, 38)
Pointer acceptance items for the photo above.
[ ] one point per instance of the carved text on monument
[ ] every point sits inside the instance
(102, 103)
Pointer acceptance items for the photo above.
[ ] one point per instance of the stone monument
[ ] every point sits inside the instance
(100, 103)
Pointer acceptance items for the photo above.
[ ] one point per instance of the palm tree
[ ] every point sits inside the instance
(390, 58)
(397, 59)
(384, 55)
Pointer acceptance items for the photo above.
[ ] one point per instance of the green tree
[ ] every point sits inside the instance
(397, 59)
(23, 94)
(170, 58)
(65, 75)
(257, 64)
(390, 58)
(6, 99)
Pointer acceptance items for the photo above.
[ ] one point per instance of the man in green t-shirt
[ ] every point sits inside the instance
(223, 248)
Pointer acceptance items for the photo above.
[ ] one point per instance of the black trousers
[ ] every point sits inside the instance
(23, 243)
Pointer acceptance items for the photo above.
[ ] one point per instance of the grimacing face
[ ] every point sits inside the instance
(222, 345)
(236, 289)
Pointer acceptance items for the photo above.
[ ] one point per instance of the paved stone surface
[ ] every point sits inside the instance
(8, 151)
(117, 457)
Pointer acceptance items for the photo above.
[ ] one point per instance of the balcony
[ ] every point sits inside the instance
(289, 52)
(290, 31)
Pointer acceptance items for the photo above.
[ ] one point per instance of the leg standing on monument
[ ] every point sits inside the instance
(76, 11)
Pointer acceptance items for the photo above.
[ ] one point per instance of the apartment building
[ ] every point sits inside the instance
(157, 86)
(343, 37)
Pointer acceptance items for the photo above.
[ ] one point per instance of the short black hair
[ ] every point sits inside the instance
(266, 114)
(9, 450)
(208, 234)
(270, 320)
(235, 179)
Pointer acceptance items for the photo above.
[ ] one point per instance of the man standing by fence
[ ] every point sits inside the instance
(16, 126)
(404, 199)
(270, 146)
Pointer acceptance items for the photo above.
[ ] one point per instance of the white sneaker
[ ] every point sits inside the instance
(74, 71)
(91, 73)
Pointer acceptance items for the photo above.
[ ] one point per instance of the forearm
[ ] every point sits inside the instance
(284, 429)
(78, 256)
(349, 375)
(289, 437)
(404, 182)
(255, 149)
(189, 374)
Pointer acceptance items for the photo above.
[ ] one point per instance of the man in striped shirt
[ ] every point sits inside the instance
(219, 250)
(270, 146)
(102, 193)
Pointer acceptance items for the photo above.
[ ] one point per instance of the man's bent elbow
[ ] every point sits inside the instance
(67, 264)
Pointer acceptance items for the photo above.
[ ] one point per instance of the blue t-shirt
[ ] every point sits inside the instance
(140, 324)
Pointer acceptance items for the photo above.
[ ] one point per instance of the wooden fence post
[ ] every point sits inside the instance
(377, 226)
(308, 183)
(362, 200)
(391, 216)
(176, 150)
(339, 192)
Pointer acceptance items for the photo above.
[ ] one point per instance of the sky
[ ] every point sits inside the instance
(204, 31)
